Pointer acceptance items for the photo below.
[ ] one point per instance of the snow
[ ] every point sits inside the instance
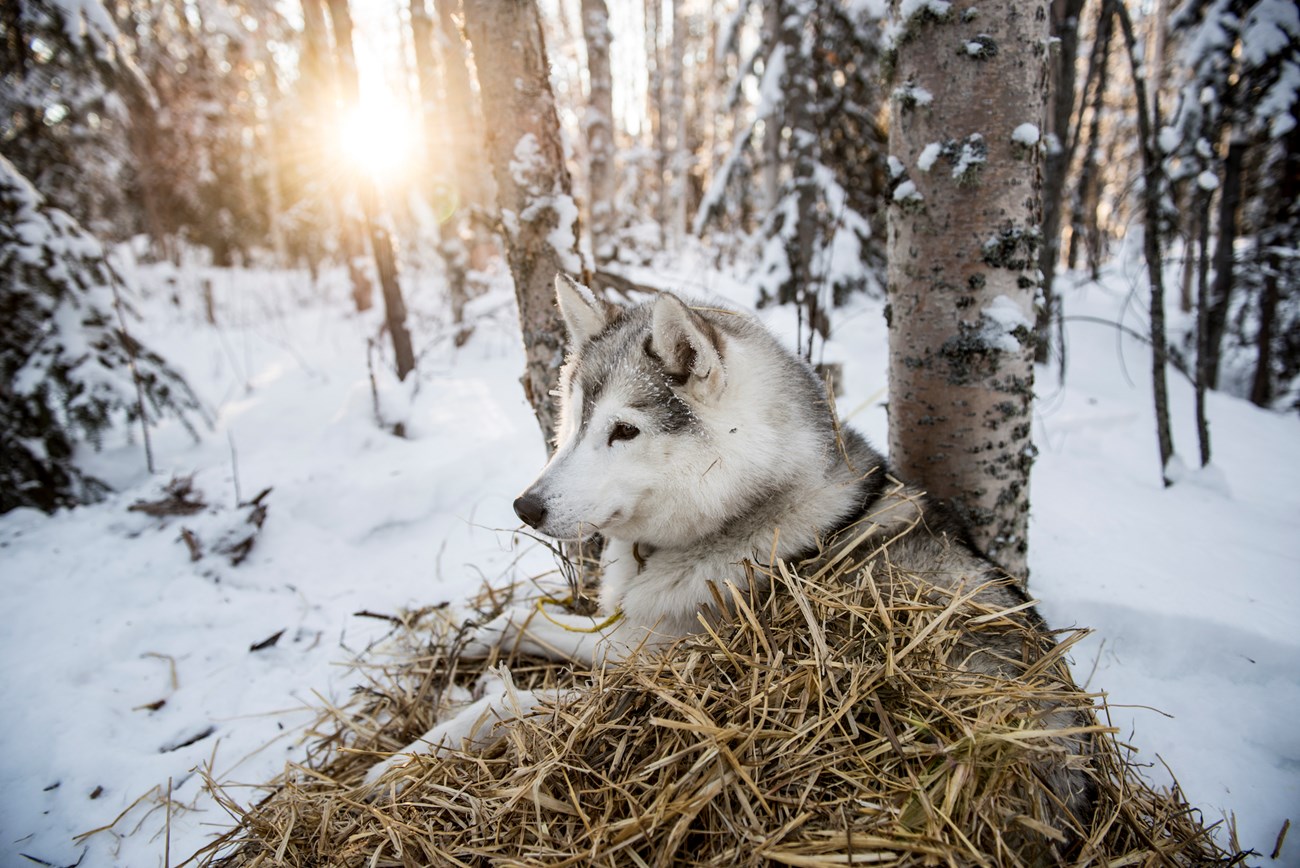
(907, 192)
(973, 154)
(912, 94)
(1169, 138)
(1026, 134)
(526, 161)
(530, 172)
(1191, 590)
(1000, 319)
(928, 155)
(909, 8)
(1272, 27)
(1207, 180)
(771, 93)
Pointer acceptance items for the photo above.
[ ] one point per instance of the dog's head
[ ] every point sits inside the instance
(640, 403)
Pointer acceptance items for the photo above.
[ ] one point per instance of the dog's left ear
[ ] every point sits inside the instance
(584, 314)
(688, 345)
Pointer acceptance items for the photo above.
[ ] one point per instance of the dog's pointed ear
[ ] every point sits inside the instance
(688, 345)
(585, 315)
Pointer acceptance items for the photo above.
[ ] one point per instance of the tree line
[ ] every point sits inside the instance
(799, 140)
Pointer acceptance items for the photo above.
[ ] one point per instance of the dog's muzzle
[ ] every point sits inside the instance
(530, 509)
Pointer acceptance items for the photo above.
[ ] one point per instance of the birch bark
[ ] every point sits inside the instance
(970, 84)
(539, 218)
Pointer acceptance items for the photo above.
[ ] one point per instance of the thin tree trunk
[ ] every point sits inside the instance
(443, 179)
(473, 180)
(1152, 182)
(351, 209)
(680, 162)
(1056, 162)
(436, 140)
(383, 244)
(1224, 259)
(1202, 241)
(659, 131)
(538, 213)
(804, 283)
(1276, 245)
(1156, 61)
(372, 217)
(1087, 230)
(1261, 387)
(774, 121)
(599, 126)
(1187, 298)
(963, 255)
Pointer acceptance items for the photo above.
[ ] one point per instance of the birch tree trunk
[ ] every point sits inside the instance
(538, 214)
(964, 230)
(599, 126)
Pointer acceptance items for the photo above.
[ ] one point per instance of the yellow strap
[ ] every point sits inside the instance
(608, 622)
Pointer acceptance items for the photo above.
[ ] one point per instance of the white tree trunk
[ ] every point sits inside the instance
(964, 230)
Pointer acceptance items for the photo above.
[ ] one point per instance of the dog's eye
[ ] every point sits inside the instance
(622, 431)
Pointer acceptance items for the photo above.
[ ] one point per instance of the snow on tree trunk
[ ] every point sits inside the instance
(538, 214)
(599, 126)
(964, 231)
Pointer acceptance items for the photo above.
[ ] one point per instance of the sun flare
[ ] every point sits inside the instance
(378, 139)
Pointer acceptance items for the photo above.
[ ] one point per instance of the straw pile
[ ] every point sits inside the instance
(818, 723)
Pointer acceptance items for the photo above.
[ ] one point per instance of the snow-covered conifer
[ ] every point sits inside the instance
(69, 370)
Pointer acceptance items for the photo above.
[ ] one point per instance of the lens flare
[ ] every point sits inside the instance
(378, 139)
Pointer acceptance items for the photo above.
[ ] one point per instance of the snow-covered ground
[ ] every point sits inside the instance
(128, 667)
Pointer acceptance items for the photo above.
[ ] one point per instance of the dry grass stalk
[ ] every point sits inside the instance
(823, 721)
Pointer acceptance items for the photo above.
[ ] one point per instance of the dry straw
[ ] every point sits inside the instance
(823, 721)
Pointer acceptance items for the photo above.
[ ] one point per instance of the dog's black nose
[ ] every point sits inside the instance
(530, 508)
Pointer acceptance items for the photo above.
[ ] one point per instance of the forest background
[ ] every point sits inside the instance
(378, 147)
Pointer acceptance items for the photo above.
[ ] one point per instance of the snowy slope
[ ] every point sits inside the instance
(1193, 591)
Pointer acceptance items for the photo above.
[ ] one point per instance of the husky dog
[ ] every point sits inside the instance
(693, 442)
